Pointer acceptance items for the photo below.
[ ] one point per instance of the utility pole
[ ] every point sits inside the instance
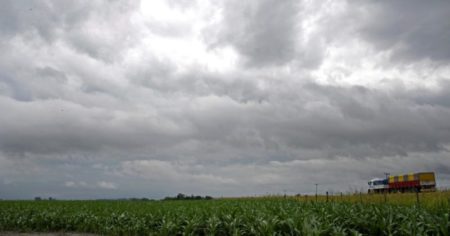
(316, 191)
(385, 190)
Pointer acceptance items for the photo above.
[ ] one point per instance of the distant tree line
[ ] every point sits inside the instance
(179, 196)
(182, 196)
(39, 199)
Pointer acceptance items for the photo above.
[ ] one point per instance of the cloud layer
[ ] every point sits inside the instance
(104, 99)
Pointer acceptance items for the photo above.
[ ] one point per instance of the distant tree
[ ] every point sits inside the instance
(182, 196)
(37, 198)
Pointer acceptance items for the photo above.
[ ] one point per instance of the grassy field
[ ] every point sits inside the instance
(426, 199)
(346, 215)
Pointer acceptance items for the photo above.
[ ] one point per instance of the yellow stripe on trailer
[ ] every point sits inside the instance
(413, 176)
(391, 179)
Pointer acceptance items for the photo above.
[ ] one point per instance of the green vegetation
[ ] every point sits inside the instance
(259, 216)
(428, 200)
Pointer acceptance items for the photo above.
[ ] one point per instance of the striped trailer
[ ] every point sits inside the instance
(421, 181)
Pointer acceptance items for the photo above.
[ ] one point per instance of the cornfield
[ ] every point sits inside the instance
(426, 199)
(258, 216)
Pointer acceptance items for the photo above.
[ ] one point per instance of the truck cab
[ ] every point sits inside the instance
(378, 185)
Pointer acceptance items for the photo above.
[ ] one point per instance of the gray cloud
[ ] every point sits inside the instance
(97, 95)
(263, 31)
(411, 30)
(96, 28)
(42, 18)
(354, 122)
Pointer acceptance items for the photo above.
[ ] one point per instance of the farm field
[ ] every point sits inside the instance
(425, 199)
(346, 215)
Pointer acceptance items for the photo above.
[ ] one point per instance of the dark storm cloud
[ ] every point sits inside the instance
(412, 30)
(356, 122)
(263, 31)
(52, 126)
(370, 122)
(353, 122)
(340, 121)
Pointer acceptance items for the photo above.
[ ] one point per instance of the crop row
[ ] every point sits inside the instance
(222, 217)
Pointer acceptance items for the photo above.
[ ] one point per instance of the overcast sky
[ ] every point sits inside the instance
(108, 99)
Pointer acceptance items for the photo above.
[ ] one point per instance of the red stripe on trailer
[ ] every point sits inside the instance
(405, 184)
